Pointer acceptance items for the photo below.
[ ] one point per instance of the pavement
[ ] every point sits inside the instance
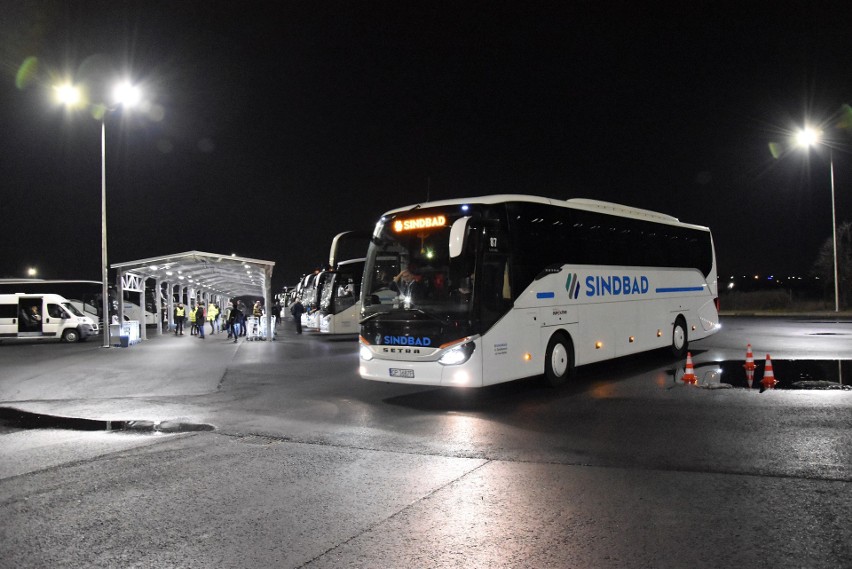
(238, 498)
(152, 380)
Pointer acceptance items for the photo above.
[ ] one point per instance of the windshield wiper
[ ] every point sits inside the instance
(418, 310)
(370, 317)
(428, 314)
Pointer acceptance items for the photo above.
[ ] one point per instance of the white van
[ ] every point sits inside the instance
(43, 317)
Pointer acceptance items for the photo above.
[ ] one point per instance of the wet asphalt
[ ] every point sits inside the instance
(276, 454)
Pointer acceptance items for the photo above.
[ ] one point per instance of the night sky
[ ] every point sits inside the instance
(268, 127)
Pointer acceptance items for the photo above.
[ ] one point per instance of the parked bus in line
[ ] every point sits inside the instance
(340, 304)
(43, 317)
(339, 298)
(498, 288)
(340, 308)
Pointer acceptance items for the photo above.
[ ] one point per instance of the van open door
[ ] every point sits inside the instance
(30, 316)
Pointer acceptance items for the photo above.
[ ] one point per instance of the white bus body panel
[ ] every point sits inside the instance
(311, 321)
(582, 301)
(345, 322)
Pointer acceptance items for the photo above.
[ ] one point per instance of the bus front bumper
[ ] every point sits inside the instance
(468, 374)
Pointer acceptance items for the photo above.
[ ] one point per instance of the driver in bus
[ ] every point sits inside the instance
(409, 282)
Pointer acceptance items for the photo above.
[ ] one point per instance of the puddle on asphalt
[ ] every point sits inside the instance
(790, 374)
(23, 420)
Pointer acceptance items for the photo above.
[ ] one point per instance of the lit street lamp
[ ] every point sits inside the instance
(806, 138)
(124, 95)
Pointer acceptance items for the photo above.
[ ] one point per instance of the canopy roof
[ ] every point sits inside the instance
(229, 275)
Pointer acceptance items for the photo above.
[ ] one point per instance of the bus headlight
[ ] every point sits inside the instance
(366, 353)
(457, 354)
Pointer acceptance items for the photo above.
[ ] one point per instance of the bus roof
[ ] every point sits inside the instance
(574, 203)
(46, 281)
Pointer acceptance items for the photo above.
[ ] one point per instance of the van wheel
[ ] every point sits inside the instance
(680, 337)
(559, 360)
(70, 336)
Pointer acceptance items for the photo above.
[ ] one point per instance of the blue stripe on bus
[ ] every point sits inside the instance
(545, 295)
(681, 289)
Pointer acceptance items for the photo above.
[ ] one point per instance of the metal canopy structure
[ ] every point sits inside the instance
(200, 276)
(227, 275)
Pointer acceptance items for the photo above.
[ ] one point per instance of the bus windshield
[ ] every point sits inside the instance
(409, 268)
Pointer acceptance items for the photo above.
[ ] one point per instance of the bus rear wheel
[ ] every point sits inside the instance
(559, 360)
(680, 338)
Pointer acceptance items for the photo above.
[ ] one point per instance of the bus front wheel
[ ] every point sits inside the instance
(680, 337)
(559, 360)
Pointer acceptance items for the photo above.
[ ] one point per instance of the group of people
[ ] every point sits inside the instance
(232, 321)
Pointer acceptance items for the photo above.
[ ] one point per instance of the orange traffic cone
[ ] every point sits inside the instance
(768, 381)
(749, 366)
(689, 377)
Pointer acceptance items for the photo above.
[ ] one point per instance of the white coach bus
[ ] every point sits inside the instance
(339, 307)
(497, 288)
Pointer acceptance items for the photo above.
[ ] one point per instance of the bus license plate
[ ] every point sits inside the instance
(407, 373)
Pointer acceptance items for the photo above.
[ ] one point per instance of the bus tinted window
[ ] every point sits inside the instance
(557, 236)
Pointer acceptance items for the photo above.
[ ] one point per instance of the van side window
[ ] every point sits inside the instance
(8, 310)
(55, 311)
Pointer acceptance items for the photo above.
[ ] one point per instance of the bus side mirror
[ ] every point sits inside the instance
(457, 234)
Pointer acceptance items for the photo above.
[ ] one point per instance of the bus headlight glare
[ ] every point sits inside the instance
(366, 354)
(457, 354)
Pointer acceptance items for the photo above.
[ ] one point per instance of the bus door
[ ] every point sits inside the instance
(495, 293)
(501, 354)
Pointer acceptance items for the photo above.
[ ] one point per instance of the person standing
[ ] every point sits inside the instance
(213, 317)
(180, 314)
(192, 321)
(276, 310)
(242, 315)
(227, 319)
(234, 321)
(296, 309)
(199, 319)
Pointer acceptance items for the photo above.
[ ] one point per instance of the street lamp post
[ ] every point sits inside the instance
(806, 138)
(124, 95)
(104, 262)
